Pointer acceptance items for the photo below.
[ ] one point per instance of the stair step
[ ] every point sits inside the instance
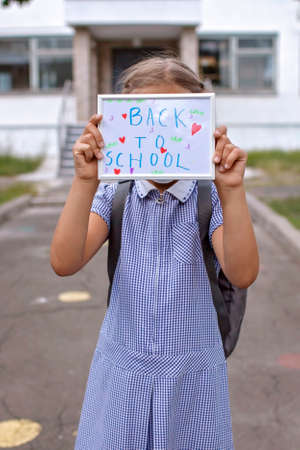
(67, 163)
(66, 172)
(73, 132)
(67, 156)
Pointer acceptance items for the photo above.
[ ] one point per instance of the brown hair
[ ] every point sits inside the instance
(152, 70)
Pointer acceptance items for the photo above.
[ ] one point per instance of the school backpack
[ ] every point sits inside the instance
(229, 300)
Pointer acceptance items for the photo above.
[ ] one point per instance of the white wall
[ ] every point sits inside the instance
(133, 12)
(266, 120)
(29, 123)
(36, 13)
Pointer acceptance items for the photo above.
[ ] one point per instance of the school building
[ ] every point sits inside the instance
(56, 56)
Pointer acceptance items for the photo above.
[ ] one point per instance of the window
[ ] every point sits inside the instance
(14, 64)
(54, 61)
(215, 62)
(53, 71)
(35, 63)
(55, 42)
(238, 64)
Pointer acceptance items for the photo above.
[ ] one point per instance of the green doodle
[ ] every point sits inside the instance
(111, 144)
(119, 100)
(196, 111)
(176, 139)
(157, 171)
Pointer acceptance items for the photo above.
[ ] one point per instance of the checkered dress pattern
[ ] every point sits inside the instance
(158, 378)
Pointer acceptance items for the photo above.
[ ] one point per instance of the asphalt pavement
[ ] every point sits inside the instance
(46, 344)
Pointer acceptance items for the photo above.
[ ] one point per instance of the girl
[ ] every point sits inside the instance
(158, 378)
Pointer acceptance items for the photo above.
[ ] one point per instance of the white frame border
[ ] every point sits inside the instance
(209, 176)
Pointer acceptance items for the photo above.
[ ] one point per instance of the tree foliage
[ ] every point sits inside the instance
(10, 2)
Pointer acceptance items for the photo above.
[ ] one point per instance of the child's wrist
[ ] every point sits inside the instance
(90, 184)
(227, 193)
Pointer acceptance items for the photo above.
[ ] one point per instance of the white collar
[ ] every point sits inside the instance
(182, 189)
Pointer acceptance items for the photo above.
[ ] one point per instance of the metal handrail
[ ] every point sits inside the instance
(62, 125)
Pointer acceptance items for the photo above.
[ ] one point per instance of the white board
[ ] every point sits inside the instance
(157, 136)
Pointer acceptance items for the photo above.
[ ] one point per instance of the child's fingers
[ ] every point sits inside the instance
(78, 153)
(227, 150)
(93, 129)
(235, 154)
(96, 119)
(90, 139)
(222, 141)
(222, 129)
(82, 152)
(85, 151)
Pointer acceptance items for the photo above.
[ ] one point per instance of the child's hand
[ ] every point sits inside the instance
(230, 160)
(87, 150)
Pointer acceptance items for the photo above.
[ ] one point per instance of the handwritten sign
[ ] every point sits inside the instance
(157, 136)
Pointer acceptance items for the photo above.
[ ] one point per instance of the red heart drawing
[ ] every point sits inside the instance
(195, 128)
(122, 139)
(124, 115)
(163, 150)
(117, 171)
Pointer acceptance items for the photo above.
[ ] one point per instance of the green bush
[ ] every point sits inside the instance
(16, 190)
(288, 207)
(11, 165)
(275, 160)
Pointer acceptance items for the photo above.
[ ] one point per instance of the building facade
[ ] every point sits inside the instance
(249, 52)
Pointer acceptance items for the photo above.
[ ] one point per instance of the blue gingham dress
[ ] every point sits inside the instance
(158, 377)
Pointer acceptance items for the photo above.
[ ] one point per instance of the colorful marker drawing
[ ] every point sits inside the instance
(111, 144)
(195, 128)
(176, 139)
(158, 171)
(196, 111)
(157, 135)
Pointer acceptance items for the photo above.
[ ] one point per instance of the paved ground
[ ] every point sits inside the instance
(278, 192)
(46, 345)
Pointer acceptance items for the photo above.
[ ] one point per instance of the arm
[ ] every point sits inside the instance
(80, 233)
(234, 242)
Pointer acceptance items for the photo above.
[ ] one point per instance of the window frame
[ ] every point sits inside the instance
(34, 54)
(235, 52)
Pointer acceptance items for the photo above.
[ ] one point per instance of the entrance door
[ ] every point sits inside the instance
(125, 57)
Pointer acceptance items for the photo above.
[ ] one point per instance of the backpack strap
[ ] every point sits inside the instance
(204, 215)
(114, 242)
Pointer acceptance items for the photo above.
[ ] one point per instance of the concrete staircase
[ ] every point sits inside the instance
(66, 165)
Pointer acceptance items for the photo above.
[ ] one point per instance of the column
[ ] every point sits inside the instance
(189, 47)
(82, 73)
(105, 68)
(94, 77)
